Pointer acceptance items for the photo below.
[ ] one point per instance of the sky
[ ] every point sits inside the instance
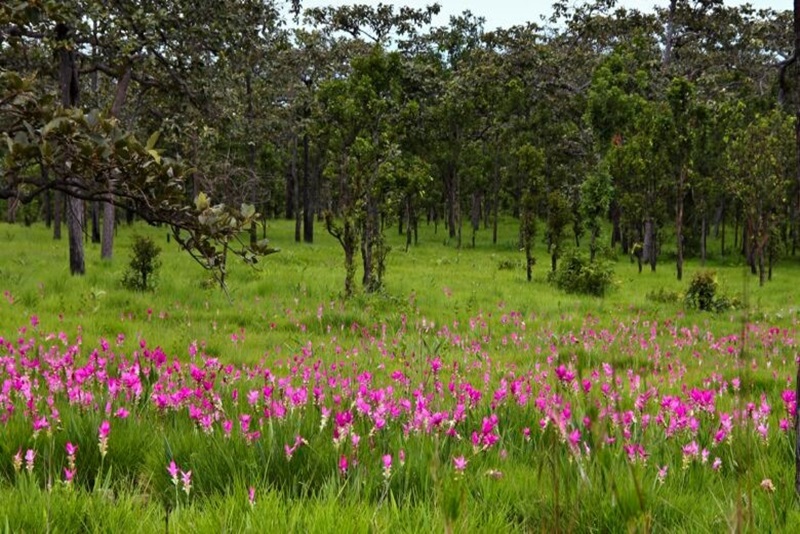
(510, 12)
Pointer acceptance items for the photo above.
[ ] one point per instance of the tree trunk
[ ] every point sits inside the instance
(309, 194)
(68, 83)
(679, 223)
(298, 220)
(452, 201)
(107, 239)
(58, 213)
(75, 226)
(649, 244)
(94, 211)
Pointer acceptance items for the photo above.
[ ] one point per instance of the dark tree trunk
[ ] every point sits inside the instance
(679, 223)
(452, 201)
(109, 220)
(309, 194)
(58, 213)
(475, 215)
(94, 211)
(68, 83)
(649, 244)
(298, 216)
(48, 199)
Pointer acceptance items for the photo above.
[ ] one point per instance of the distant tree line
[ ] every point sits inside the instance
(666, 126)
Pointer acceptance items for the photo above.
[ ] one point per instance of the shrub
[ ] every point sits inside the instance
(144, 265)
(576, 274)
(703, 294)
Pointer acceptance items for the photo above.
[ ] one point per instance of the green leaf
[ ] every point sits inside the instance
(248, 210)
(152, 140)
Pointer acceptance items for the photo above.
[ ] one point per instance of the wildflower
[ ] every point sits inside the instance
(103, 432)
(662, 474)
(716, 464)
(767, 485)
(402, 457)
(460, 464)
(17, 460)
(30, 456)
(387, 466)
(343, 464)
(172, 469)
(69, 475)
(251, 495)
(186, 479)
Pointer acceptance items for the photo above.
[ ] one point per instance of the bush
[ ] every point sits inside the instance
(703, 294)
(576, 274)
(144, 265)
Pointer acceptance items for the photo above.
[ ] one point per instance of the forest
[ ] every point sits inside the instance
(271, 267)
(665, 126)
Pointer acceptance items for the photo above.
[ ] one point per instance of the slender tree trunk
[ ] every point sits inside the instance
(649, 244)
(68, 82)
(109, 211)
(309, 194)
(58, 213)
(679, 223)
(298, 216)
(94, 214)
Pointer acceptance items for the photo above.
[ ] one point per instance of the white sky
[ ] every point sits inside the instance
(510, 12)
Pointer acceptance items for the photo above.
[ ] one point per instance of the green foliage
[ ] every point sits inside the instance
(664, 296)
(704, 294)
(576, 274)
(144, 265)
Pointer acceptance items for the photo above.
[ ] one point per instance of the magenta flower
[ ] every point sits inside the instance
(30, 456)
(251, 495)
(103, 432)
(186, 479)
(387, 465)
(343, 464)
(71, 449)
(460, 463)
(69, 475)
(172, 469)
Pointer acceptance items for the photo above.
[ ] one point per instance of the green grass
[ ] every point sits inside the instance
(289, 312)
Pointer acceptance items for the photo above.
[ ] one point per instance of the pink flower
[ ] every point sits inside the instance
(343, 464)
(186, 478)
(460, 463)
(71, 449)
(172, 469)
(69, 475)
(662, 473)
(103, 432)
(30, 456)
(767, 485)
(251, 495)
(717, 464)
(387, 465)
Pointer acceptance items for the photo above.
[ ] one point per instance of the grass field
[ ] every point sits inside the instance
(461, 398)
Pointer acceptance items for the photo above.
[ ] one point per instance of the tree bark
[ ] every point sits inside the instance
(679, 223)
(68, 83)
(298, 220)
(309, 193)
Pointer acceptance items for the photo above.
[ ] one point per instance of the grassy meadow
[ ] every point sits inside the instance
(462, 398)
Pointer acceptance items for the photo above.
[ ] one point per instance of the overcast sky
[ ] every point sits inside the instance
(510, 12)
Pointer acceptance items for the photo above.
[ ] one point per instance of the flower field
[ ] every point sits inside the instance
(614, 423)
(466, 400)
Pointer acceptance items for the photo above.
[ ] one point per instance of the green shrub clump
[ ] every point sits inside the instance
(704, 294)
(576, 274)
(144, 265)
